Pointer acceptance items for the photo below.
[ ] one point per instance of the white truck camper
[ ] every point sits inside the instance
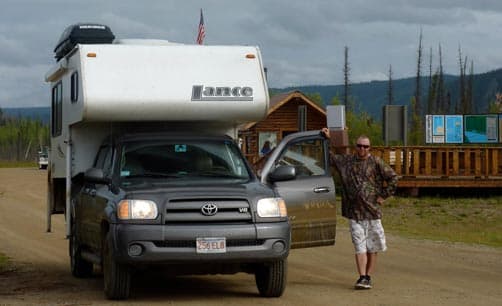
(145, 166)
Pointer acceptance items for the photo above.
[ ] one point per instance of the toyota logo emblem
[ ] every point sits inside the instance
(209, 209)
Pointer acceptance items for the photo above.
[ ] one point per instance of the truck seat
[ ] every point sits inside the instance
(203, 163)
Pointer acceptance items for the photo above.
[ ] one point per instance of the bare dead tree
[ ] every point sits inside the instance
(346, 82)
(470, 90)
(440, 97)
(431, 93)
(460, 102)
(390, 93)
(418, 91)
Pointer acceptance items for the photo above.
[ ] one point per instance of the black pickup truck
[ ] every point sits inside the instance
(192, 204)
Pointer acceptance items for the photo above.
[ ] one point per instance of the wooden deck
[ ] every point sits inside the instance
(445, 166)
(437, 166)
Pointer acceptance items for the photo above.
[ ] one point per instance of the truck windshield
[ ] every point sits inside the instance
(186, 162)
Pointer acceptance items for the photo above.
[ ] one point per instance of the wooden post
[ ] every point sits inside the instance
(495, 161)
(467, 162)
(398, 162)
(416, 162)
(455, 162)
(428, 162)
(477, 160)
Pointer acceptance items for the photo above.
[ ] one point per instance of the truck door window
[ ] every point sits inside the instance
(306, 155)
(104, 160)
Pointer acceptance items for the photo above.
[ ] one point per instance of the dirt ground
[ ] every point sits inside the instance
(411, 272)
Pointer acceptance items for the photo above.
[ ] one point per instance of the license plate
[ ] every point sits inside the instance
(211, 245)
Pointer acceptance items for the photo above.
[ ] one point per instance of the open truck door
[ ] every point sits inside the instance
(298, 169)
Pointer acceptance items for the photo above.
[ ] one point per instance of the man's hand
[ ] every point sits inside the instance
(325, 132)
(380, 200)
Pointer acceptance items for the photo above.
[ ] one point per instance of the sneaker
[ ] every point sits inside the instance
(368, 282)
(363, 283)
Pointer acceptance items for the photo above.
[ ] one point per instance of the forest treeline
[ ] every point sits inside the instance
(22, 138)
(430, 92)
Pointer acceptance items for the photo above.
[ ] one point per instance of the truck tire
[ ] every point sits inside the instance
(271, 278)
(117, 277)
(79, 267)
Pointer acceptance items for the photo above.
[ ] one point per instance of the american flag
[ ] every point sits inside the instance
(202, 30)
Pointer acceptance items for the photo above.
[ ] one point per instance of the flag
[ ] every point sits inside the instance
(202, 30)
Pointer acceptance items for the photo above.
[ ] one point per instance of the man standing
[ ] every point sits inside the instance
(367, 181)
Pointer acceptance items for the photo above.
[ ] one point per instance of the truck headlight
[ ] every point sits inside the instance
(137, 209)
(272, 207)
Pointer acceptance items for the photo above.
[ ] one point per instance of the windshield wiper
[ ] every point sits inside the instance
(154, 175)
(217, 174)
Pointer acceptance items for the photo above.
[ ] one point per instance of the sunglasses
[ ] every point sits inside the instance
(362, 146)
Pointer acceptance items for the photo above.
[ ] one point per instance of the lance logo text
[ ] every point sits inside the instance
(208, 93)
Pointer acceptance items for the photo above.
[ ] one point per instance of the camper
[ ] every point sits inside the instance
(145, 163)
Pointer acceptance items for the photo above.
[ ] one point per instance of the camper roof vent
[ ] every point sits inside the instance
(82, 33)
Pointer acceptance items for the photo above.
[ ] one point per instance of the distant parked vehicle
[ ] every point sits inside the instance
(43, 160)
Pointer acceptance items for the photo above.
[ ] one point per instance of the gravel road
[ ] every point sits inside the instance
(411, 272)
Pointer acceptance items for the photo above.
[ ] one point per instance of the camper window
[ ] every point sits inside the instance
(74, 87)
(57, 109)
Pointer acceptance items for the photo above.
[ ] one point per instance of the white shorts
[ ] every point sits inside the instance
(367, 236)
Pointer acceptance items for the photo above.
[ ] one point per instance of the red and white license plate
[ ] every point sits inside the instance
(211, 245)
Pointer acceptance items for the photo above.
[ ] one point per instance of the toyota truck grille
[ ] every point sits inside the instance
(208, 210)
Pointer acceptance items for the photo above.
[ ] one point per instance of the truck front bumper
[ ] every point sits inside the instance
(176, 244)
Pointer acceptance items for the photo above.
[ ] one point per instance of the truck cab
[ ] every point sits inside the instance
(148, 172)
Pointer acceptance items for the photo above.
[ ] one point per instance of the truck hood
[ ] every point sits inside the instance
(163, 193)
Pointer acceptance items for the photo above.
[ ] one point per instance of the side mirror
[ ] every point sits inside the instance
(282, 173)
(95, 175)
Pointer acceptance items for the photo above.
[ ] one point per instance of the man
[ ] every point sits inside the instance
(367, 181)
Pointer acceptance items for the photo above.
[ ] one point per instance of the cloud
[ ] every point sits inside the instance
(301, 41)
(26, 86)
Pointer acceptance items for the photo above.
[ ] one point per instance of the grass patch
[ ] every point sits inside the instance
(4, 260)
(454, 219)
(13, 164)
(467, 220)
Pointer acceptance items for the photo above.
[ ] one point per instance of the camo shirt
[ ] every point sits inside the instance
(363, 181)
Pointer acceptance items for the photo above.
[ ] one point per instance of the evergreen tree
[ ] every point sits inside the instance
(316, 98)
(433, 93)
(21, 138)
(416, 135)
(361, 123)
(335, 100)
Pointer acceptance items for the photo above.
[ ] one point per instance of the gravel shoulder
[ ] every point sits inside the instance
(411, 272)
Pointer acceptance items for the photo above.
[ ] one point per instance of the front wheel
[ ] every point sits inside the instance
(117, 276)
(271, 278)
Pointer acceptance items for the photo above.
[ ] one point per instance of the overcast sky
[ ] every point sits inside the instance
(302, 42)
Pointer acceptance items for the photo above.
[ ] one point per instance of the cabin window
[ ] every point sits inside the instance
(74, 87)
(57, 109)
(266, 142)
